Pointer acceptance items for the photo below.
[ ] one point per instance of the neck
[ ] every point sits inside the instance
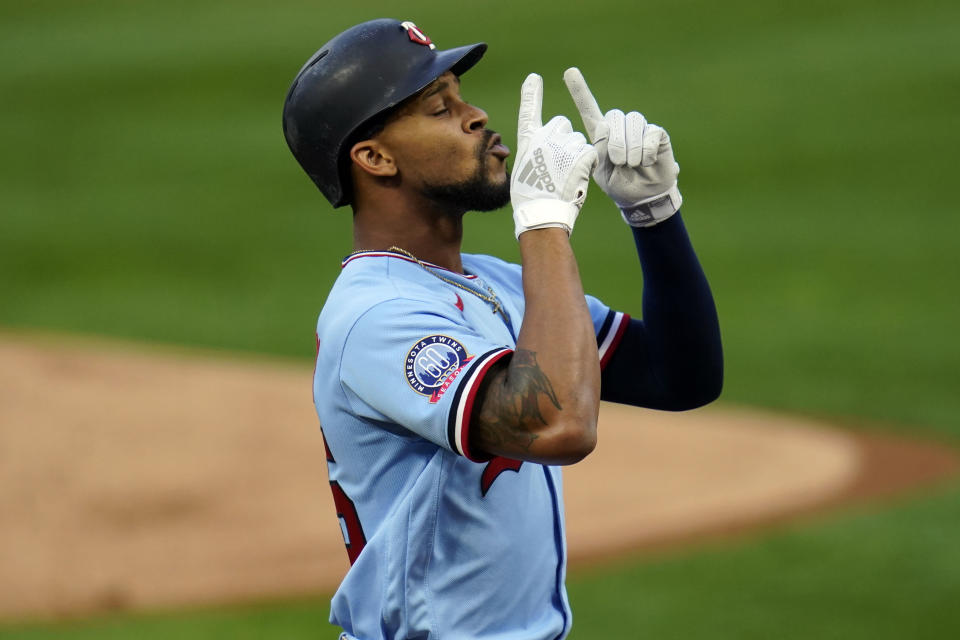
(427, 233)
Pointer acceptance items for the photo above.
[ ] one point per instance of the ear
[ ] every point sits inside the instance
(373, 158)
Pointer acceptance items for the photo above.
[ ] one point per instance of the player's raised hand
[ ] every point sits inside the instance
(552, 171)
(636, 167)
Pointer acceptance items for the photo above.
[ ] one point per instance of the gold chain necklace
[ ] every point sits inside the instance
(490, 299)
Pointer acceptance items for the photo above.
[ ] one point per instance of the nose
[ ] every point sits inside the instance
(475, 119)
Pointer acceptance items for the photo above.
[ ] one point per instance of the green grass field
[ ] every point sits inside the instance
(146, 192)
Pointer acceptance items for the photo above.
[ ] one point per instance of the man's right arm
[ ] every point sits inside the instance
(541, 402)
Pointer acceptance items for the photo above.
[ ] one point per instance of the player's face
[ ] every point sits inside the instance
(444, 150)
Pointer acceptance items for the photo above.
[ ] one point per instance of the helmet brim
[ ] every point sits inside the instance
(458, 60)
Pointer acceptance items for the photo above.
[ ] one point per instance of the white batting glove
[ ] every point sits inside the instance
(552, 171)
(636, 166)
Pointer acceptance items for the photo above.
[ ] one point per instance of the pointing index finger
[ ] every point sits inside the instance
(531, 106)
(586, 104)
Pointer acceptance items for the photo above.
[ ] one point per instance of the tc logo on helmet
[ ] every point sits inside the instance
(416, 35)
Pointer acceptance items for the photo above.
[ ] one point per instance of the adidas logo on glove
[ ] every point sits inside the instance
(535, 173)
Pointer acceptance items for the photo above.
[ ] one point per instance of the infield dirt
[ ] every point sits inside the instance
(133, 477)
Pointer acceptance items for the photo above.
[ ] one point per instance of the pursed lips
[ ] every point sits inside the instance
(497, 148)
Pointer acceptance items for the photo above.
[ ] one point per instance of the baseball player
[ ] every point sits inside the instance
(450, 387)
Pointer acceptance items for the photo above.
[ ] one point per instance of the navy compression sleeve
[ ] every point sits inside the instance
(672, 359)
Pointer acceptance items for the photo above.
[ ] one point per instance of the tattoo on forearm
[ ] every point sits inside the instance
(527, 381)
(513, 402)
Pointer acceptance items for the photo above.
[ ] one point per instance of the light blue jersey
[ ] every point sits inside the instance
(444, 542)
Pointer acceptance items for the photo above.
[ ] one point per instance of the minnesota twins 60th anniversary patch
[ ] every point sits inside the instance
(433, 363)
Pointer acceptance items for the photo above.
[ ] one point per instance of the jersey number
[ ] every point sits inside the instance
(353, 537)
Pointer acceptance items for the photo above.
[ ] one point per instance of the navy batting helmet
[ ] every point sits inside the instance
(351, 81)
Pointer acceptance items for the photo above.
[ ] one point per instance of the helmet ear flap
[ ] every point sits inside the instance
(353, 83)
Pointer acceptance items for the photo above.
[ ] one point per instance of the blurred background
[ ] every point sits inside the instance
(146, 193)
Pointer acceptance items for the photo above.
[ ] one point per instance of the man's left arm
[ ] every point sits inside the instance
(672, 359)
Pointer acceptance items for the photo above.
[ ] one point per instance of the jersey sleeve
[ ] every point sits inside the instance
(609, 325)
(419, 369)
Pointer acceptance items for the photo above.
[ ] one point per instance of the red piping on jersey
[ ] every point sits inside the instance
(388, 254)
(468, 405)
(622, 329)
